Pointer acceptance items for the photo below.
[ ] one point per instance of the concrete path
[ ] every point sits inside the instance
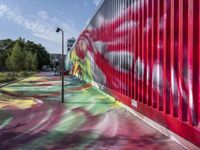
(32, 117)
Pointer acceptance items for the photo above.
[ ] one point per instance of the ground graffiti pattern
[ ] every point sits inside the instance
(33, 117)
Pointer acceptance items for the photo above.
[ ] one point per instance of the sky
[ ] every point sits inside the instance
(37, 20)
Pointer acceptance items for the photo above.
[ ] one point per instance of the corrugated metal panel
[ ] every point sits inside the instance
(147, 51)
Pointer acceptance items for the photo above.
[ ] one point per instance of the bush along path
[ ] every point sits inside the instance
(32, 117)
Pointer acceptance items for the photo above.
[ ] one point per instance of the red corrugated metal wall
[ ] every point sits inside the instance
(146, 54)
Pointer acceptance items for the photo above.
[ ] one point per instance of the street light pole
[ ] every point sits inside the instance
(62, 63)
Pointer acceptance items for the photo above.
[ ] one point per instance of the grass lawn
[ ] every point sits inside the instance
(7, 77)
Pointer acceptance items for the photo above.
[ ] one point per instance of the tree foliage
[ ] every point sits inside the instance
(28, 61)
(34, 62)
(15, 60)
(20, 55)
(42, 54)
(5, 49)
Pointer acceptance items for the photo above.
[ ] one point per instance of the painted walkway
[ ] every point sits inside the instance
(32, 117)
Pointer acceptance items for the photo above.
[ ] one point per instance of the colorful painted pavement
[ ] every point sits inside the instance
(33, 117)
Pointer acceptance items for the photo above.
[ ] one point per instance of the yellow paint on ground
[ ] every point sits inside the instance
(21, 103)
(8, 89)
(33, 78)
(18, 103)
(118, 103)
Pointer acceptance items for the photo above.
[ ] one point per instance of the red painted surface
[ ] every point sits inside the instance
(147, 50)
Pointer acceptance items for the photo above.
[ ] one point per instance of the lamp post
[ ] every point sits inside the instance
(62, 63)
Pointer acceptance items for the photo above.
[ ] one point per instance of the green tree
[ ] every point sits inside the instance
(5, 49)
(15, 61)
(28, 61)
(8, 64)
(35, 62)
(22, 42)
(42, 54)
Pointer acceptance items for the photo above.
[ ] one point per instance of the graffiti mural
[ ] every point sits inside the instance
(146, 52)
(32, 117)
